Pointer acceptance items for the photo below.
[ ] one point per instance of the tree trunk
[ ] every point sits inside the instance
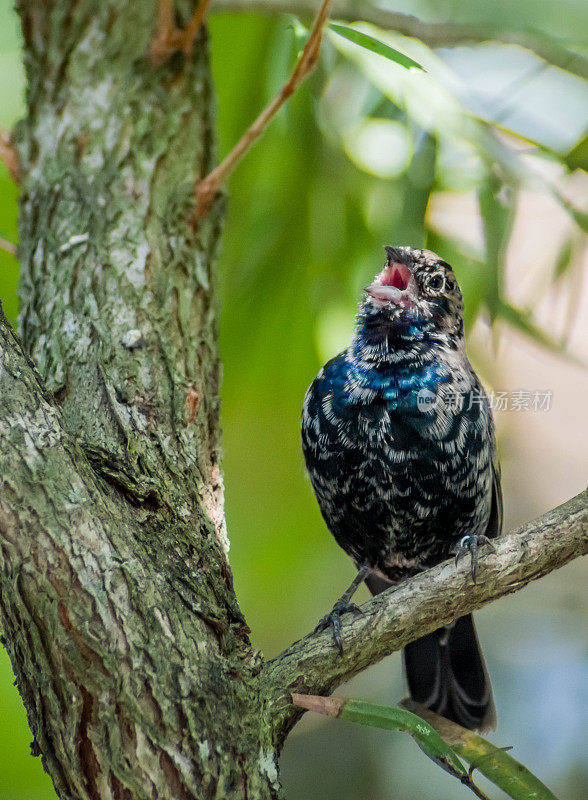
(129, 648)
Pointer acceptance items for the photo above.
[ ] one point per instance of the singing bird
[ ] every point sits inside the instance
(399, 443)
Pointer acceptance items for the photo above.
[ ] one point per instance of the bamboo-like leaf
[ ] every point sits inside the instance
(522, 321)
(577, 158)
(392, 718)
(418, 187)
(564, 258)
(375, 45)
(580, 217)
(497, 208)
(493, 762)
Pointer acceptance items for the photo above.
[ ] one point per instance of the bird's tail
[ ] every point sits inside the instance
(445, 671)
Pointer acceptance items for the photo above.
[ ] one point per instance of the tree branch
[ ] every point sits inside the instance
(414, 608)
(9, 155)
(434, 34)
(168, 39)
(7, 246)
(207, 189)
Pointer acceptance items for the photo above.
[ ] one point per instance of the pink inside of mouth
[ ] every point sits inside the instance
(396, 275)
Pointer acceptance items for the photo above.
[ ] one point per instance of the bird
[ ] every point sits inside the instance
(399, 443)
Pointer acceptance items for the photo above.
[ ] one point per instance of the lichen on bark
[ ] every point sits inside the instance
(129, 648)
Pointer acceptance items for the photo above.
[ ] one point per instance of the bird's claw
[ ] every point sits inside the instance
(471, 544)
(332, 620)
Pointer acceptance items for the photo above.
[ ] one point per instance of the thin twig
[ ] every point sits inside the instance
(207, 188)
(9, 154)
(8, 246)
(168, 39)
(193, 26)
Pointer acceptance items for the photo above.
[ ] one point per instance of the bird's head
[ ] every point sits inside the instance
(415, 288)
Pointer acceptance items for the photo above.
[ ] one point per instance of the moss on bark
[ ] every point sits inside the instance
(130, 651)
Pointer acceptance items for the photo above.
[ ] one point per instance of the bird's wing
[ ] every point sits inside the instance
(496, 513)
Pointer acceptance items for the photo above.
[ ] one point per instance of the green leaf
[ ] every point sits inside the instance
(522, 321)
(497, 208)
(418, 188)
(564, 258)
(301, 33)
(580, 217)
(392, 718)
(577, 158)
(375, 45)
(493, 762)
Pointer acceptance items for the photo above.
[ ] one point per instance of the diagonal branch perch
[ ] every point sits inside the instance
(207, 189)
(435, 597)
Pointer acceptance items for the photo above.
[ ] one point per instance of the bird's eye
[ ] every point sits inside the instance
(436, 282)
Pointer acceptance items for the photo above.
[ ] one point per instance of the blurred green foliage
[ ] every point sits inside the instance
(355, 160)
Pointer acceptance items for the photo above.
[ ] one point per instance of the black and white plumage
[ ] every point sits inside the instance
(399, 443)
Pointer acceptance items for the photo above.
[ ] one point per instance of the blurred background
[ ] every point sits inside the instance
(483, 159)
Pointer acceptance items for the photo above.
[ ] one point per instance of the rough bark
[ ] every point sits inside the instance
(116, 599)
(117, 603)
(129, 652)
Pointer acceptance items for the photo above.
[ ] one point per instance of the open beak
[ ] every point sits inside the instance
(395, 284)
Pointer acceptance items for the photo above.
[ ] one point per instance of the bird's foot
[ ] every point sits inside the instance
(471, 544)
(333, 620)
